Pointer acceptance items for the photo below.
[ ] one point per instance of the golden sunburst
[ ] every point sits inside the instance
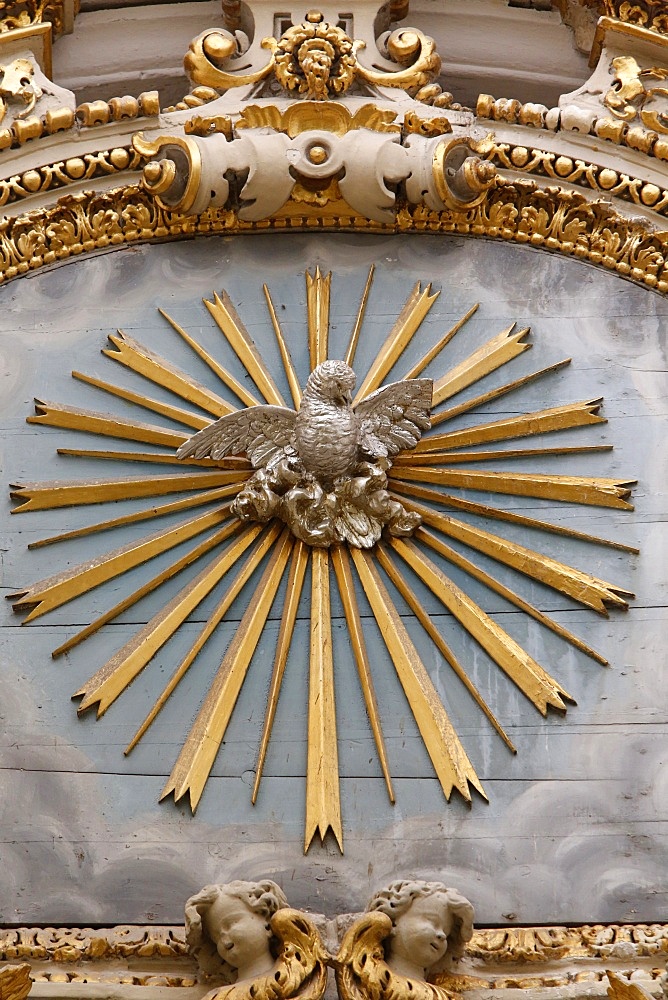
(420, 478)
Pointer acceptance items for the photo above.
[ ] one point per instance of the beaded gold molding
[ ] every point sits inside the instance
(561, 221)
(562, 168)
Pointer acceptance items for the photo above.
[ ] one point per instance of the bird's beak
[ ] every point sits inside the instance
(348, 397)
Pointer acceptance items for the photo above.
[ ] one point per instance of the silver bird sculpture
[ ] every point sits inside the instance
(328, 436)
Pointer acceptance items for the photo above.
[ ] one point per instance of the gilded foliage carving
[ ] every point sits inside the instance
(561, 221)
(23, 13)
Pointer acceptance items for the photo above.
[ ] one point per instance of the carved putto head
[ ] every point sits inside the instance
(231, 923)
(430, 921)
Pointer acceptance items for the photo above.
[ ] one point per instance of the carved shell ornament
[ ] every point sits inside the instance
(341, 479)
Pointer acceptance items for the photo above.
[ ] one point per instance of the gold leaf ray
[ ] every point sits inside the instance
(361, 312)
(450, 457)
(534, 682)
(595, 492)
(493, 513)
(200, 499)
(558, 418)
(496, 352)
(408, 322)
(488, 397)
(70, 493)
(239, 390)
(262, 546)
(194, 763)
(93, 422)
(344, 579)
(51, 593)
(479, 574)
(230, 325)
(158, 458)
(176, 413)
(451, 763)
(418, 368)
(112, 679)
(318, 289)
(291, 374)
(296, 575)
(129, 352)
(229, 529)
(588, 590)
(411, 599)
(323, 804)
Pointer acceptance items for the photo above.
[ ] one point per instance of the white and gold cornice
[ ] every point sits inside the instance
(587, 178)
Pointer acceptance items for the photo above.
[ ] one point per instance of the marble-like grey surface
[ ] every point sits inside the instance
(577, 824)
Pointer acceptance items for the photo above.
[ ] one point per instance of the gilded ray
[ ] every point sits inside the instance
(359, 319)
(494, 514)
(496, 352)
(318, 289)
(413, 603)
(451, 763)
(534, 682)
(237, 336)
(296, 575)
(588, 590)
(199, 500)
(111, 680)
(51, 593)
(323, 804)
(411, 316)
(420, 366)
(291, 374)
(488, 397)
(231, 527)
(176, 413)
(194, 763)
(596, 492)
(450, 457)
(479, 574)
(129, 352)
(74, 493)
(157, 458)
(239, 390)
(262, 546)
(344, 579)
(558, 418)
(92, 422)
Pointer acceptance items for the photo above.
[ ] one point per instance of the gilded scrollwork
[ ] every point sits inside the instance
(629, 95)
(19, 91)
(314, 59)
(650, 14)
(23, 13)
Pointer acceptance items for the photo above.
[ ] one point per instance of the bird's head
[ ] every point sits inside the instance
(332, 380)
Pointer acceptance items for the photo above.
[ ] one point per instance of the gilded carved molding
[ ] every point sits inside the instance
(26, 13)
(521, 212)
(499, 946)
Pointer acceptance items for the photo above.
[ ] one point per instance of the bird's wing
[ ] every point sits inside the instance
(261, 432)
(393, 418)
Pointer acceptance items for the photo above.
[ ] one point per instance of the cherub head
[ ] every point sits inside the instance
(428, 921)
(232, 922)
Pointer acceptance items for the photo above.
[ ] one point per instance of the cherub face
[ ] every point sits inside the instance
(420, 934)
(240, 936)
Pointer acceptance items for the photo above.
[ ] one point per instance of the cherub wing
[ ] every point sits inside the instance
(261, 432)
(393, 418)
